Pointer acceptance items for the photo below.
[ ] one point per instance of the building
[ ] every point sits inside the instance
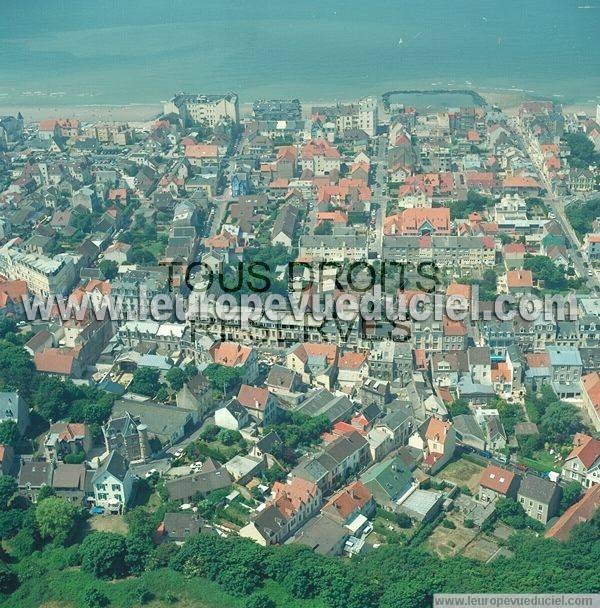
(422, 505)
(112, 484)
(353, 500)
(33, 475)
(44, 276)
(13, 407)
(68, 481)
(540, 498)
(580, 512)
(128, 436)
(590, 393)
(207, 110)
(323, 535)
(335, 462)
(178, 527)
(232, 416)
(496, 482)
(259, 402)
(388, 482)
(583, 463)
(565, 370)
(66, 438)
(212, 476)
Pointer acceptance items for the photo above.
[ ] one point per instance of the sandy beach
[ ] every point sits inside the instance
(508, 100)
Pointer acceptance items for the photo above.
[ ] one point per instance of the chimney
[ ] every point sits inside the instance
(145, 451)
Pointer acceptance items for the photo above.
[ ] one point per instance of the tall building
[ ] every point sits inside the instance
(204, 109)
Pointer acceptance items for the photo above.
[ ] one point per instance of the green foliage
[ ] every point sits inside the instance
(457, 407)
(8, 579)
(469, 523)
(475, 203)
(324, 228)
(8, 488)
(103, 555)
(583, 154)
(16, 369)
(9, 432)
(510, 414)
(56, 518)
(447, 523)
(94, 598)
(10, 522)
(273, 474)
(7, 326)
(560, 421)
(227, 437)
(512, 514)
(544, 270)
(146, 381)
(298, 430)
(403, 520)
(75, 457)
(582, 214)
(222, 377)
(210, 432)
(176, 378)
(571, 494)
(259, 600)
(45, 492)
(109, 269)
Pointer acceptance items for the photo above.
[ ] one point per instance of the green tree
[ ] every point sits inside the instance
(109, 269)
(146, 381)
(10, 522)
(9, 432)
(45, 492)
(8, 488)
(8, 579)
(56, 518)
(457, 407)
(224, 378)
(103, 555)
(571, 494)
(560, 421)
(259, 600)
(176, 378)
(16, 369)
(94, 598)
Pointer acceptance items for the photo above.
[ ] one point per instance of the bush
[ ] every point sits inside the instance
(8, 579)
(469, 523)
(259, 600)
(94, 598)
(103, 555)
(447, 523)
(403, 520)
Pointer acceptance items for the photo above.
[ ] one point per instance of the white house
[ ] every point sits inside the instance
(113, 483)
(232, 416)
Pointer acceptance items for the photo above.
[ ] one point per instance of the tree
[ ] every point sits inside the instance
(10, 522)
(571, 494)
(138, 550)
(9, 432)
(7, 326)
(94, 598)
(324, 228)
(222, 377)
(457, 407)
(109, 269)
(259, 600)
(45, 492)
(560, 421)
(103, 555)
(8, 579)
(56, 518)
(16, 369)
(176, 378)
(145, 381)
(8, 488)
(162, 394)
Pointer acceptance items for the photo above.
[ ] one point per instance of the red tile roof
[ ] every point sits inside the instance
(253, 397)
(586, 448)
(497, 479)
(580, 512)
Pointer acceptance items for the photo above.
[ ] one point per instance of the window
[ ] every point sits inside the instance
(115, 487)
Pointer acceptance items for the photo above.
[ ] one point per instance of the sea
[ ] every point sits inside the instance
(95, 52)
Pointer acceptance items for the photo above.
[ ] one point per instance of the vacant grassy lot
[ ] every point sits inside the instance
(108, 523)
(461, 472)
(66, 589)
(446, 542)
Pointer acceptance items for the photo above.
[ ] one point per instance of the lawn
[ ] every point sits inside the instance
(108, 523)
(462, 472)
(542, 462)
(66, 588)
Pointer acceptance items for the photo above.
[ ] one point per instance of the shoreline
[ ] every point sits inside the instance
(509, 100)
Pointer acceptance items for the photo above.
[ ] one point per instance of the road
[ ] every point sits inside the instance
(380, 196)
(557, 205)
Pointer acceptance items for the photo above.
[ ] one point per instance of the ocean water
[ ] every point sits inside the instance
(81, 52)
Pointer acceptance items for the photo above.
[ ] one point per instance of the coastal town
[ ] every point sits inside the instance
(133, 438)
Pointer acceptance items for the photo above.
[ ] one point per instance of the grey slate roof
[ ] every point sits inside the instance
(538, 489)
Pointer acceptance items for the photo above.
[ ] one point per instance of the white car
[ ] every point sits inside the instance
(150, 473)
(178, 454)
